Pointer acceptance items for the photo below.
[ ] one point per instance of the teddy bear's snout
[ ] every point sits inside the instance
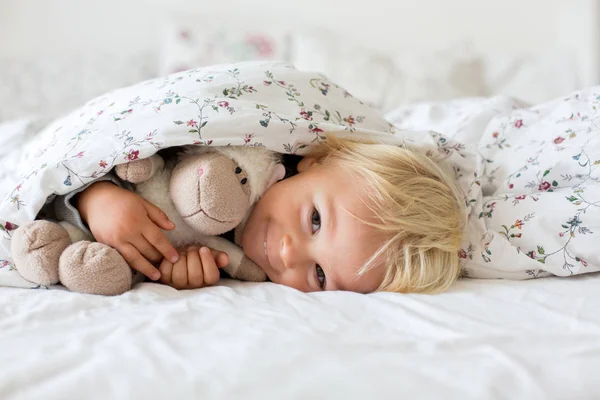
(211, 192)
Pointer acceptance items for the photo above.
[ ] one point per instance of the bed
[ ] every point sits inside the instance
(483, 339)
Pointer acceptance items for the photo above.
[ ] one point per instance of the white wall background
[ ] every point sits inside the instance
(40, 27)
(62, 24)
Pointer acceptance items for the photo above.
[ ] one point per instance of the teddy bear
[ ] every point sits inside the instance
(206, 191)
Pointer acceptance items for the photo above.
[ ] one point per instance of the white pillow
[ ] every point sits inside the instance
(367, 74)
(387, 81)
(187, 44)
(51, 84)
(533, 78)
(443, 74)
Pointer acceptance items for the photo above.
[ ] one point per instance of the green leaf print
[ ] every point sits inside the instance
(541, 250)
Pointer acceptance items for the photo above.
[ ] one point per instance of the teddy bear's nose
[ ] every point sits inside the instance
(200, 171)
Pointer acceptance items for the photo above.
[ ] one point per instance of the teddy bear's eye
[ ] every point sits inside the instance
(238, 170)
(244, 181)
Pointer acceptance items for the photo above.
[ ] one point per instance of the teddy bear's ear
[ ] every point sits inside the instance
(277, 174)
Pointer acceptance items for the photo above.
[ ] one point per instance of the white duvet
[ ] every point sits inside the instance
(529, 174)
(484, 339)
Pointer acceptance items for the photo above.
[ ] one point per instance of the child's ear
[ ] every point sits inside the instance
(306, 163)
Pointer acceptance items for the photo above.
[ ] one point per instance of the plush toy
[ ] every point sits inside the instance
(205, 191)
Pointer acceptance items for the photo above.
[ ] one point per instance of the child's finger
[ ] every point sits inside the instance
(158, 216)
(158, 239)
(194, 269)
(179, 274)
(209, 267)
(146, 249)
(221, 258)
(137, 261)
(166, 270)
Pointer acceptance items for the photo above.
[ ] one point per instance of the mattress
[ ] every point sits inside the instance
(482, 339)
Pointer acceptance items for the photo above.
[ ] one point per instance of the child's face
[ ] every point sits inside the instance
(302, 233)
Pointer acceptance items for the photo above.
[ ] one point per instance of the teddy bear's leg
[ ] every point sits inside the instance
(94, 268)
(240, 266)
(36, 250)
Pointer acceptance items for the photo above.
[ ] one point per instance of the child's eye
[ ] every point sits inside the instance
(320, 276)
(315, 221)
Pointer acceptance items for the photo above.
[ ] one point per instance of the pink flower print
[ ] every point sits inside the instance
(510, 186)
(349, 120)
(282, 83)
(133, 155)
(518, 123)
(561, 234)
(267, 83)
(544, 186)
(100, 112)
(495, 135)
(223, 104)
(263, 45)
(19, 186)
(559, 140)
(462, 253)
(185, 35)
(307, 115)
(80, 154)
(520, 197)
(103, 164)
(519, 224)
(191, 122)
(316, 129)
(531, 254)
(248, 137)
(517, 235)
(9, 226)
(583, 262)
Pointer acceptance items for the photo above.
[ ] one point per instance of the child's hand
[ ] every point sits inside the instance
(124, 220)
(196, 268)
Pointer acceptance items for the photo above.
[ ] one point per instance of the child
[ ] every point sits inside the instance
(360, 217)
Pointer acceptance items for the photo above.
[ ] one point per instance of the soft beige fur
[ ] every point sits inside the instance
(36, 249)
(207, 192)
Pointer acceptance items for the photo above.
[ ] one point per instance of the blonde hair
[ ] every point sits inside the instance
(417, 206)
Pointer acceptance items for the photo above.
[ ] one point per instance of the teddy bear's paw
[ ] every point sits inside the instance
(250, 272)
(36, 249)
(137, 171)
(94, 268)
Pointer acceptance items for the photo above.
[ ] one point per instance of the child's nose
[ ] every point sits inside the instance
(292, 254)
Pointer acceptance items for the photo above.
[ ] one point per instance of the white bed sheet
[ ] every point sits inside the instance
(483, 339)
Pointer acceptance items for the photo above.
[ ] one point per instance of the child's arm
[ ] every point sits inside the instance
(196, 268)
(124, 220)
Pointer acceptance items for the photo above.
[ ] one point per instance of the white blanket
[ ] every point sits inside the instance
(534, 199)
(484, 339)
(532, 189)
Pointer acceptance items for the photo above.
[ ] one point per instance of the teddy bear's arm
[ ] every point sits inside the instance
(139, 171)
(240, 266)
